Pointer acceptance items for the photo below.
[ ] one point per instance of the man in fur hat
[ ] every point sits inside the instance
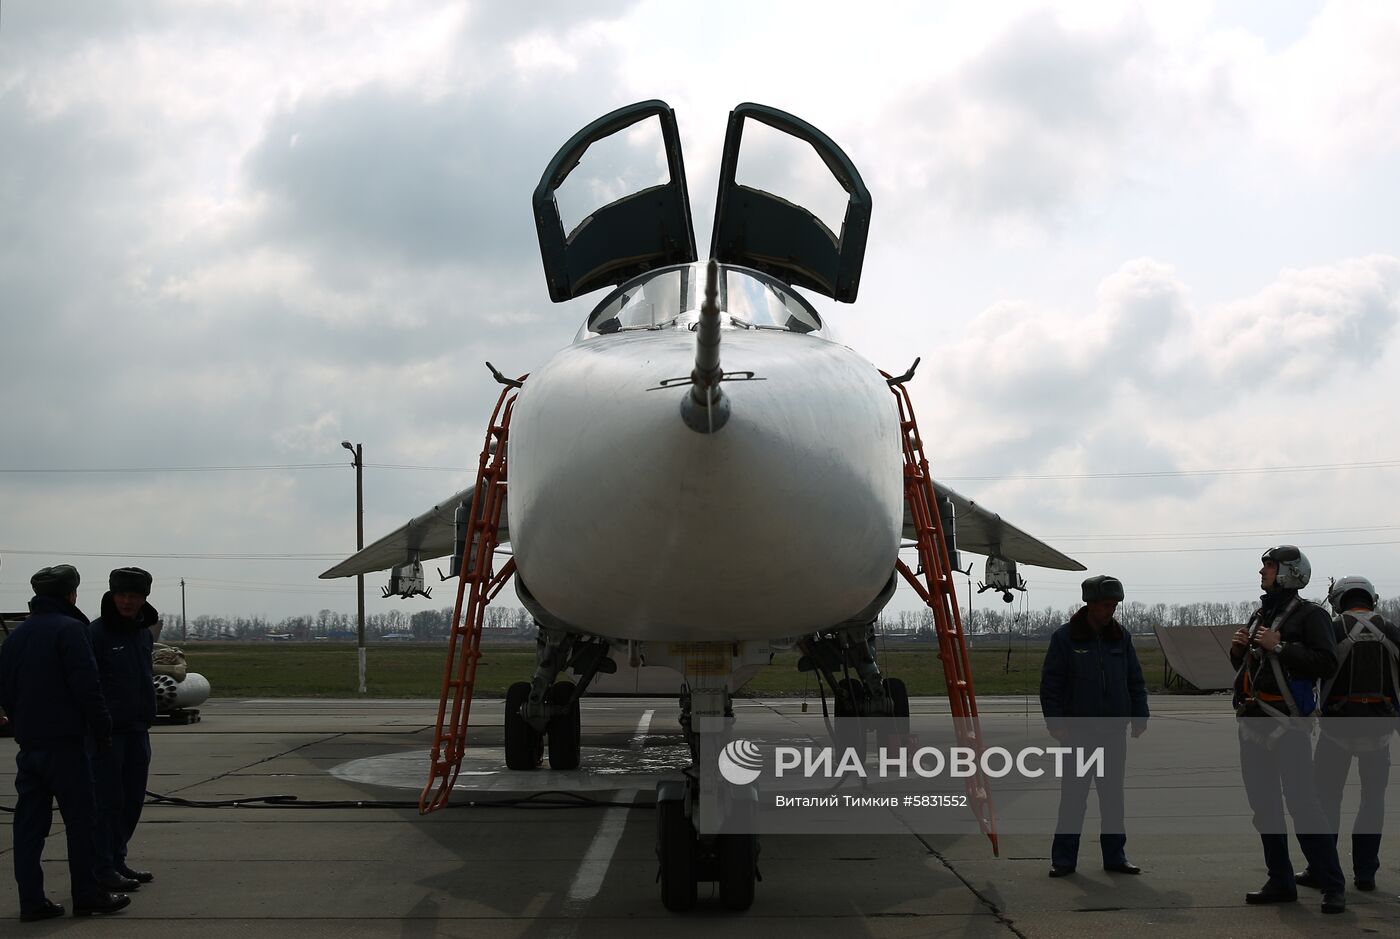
(121, 642)
(49, 687)
(1091, 689)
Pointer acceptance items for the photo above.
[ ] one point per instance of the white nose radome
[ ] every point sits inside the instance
(624, 522)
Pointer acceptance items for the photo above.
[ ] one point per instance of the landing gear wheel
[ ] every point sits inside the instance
(676, 849)
(899, 701)
(524, 744)
(566, 730)
(851, 707)
(899, 696)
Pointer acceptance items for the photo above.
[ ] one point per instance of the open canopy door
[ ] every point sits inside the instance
(641, 231)
(757, 229)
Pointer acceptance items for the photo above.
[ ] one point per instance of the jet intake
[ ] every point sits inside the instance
(706, 409)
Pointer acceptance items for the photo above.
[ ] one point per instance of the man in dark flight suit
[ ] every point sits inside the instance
(1091, 688)
(49, 687)
(1282, 652)
(121, 643)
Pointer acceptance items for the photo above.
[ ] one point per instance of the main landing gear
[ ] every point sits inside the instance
(861, 692)
(545, 710)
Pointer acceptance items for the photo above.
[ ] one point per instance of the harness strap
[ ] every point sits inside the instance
(1282, 724)
(1242, 673)
(1362, 624)
(1287, 691)
(1255, 625)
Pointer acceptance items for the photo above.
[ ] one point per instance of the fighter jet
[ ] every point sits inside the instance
(704, 475)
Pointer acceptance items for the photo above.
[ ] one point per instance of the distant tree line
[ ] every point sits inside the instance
(1136, 618)
(509, 622)
(502, 622)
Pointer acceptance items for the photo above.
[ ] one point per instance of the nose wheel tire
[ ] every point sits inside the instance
(676, 848)
(737, 857)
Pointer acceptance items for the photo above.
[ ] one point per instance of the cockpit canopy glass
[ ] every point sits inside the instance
(661, 298)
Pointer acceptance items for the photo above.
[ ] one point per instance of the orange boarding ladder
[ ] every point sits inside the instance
(936, 590)
(464, 641)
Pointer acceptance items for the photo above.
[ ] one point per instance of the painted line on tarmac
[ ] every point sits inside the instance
(594, 867)
(589, 879)
(639, 739)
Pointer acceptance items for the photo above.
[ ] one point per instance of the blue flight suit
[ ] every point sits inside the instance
(1091, 687)
(122, 648)
(50, 689)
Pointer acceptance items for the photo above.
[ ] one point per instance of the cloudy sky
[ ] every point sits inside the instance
(1149, 255)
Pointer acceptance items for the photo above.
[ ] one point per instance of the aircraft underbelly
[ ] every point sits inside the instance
(626, 523)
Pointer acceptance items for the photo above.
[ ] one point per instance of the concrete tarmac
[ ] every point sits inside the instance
(489, 870)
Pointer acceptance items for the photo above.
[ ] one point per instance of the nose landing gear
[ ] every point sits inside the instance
(706, 837)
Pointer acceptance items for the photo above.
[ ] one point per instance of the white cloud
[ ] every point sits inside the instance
(1310, 326)
(175, 265)
(1117, 383)
(1054, 112)
(1037, 119)
(1335, 94)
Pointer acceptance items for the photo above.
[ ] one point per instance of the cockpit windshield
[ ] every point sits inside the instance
(661, 298)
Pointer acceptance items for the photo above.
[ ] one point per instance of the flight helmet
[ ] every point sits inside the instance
(1345, 585)
(1294, 571)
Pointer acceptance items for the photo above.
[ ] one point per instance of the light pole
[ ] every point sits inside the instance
(357, 452)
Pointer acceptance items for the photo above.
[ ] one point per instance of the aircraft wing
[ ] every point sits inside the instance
(426, 536)
(430, 535)
(984, 532)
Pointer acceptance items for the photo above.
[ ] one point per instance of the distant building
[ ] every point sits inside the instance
(994, 639)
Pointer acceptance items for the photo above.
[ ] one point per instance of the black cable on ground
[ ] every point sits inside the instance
(559, 799)
(548, 799)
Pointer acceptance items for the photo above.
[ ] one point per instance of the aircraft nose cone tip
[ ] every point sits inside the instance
(706, 419)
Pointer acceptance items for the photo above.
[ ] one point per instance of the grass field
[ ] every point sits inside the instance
(414, 670)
